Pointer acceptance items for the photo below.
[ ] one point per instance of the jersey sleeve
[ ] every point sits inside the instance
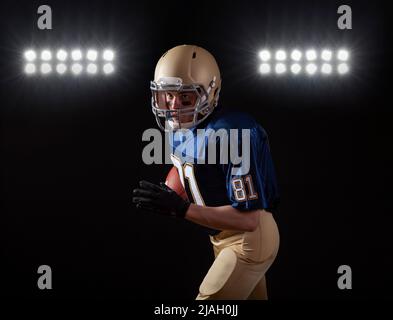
(252, 183)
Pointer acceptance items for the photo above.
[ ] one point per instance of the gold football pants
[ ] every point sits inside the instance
(242, 259)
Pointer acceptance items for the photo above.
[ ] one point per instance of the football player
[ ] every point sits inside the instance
(235, 206)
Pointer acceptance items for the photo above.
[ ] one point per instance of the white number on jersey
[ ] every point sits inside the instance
(186, 171)
(239, 190)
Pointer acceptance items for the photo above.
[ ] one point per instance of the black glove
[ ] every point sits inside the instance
(159, 199)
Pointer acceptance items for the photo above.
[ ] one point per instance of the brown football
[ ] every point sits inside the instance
(173, 181)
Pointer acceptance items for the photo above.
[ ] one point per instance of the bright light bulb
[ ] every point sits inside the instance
(92, 55)
(108, 68)
(342, 55)
(76, 55)
(342, 68)
(30, 55)
(30, 68)
(296, 68)
(311, 55)
(326, 68)
(296, 55)
(280, 68)
(108, 55)
(281, 55)
(46, 68)
(264, 68)
(61, 55)
(61, 68)
(326, 55)
(311, 69)
(265, 55)
(76, 68)
(92, 68)
(46, 55)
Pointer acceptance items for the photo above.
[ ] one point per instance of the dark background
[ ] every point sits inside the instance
(71, 149)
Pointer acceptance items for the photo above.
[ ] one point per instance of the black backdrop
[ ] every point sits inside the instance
(71, 149)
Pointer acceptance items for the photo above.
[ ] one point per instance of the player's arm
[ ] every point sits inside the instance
(223, 217)
(163, 200)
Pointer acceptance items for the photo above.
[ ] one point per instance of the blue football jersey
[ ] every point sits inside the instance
(226, 160)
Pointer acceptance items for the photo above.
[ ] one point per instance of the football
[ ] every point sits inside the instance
(173, 181)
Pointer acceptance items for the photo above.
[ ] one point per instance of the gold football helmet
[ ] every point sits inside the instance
(185, 70)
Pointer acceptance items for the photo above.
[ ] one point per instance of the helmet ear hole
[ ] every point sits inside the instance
(194, 55)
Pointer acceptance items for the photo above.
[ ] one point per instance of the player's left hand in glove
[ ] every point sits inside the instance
(159, 199)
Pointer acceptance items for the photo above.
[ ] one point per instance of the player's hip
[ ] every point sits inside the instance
(253, 247)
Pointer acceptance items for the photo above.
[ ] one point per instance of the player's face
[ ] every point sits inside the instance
(180, 100)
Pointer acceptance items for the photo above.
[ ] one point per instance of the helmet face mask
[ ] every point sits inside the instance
(181, 71)
(178, 118)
